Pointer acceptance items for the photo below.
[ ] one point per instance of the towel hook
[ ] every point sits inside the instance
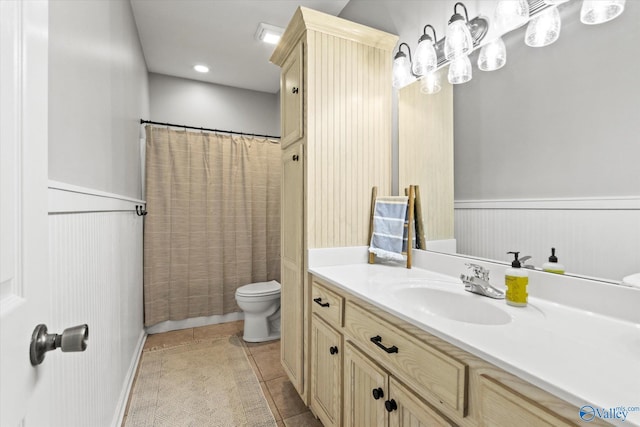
(140, 210)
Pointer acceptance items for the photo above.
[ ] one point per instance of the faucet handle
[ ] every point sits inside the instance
(479, 271)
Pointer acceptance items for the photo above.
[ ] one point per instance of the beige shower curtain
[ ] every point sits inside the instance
(213, 222)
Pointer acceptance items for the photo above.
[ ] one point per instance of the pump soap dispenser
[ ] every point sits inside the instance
(516, 280)
(553, 266)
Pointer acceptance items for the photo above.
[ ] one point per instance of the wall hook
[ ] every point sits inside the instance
(140, 211)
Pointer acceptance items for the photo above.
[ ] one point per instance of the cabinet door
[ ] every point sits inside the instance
(291, 97)
(361, 378)
(326, 372)
(292, 303)
(408, 410)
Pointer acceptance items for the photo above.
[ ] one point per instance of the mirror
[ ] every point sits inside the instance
(546, 150)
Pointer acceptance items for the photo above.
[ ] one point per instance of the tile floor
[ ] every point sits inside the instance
(285, 403)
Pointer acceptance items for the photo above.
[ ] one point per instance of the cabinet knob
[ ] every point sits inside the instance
(333, 350)
(378, 393)
(295, 158)
(294, 90)
(390, 405)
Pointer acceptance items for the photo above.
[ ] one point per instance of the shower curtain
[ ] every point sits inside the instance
(213, 222)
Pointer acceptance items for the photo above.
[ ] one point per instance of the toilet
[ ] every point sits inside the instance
(260, 303)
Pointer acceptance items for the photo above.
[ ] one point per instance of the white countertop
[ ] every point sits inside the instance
(583, 357)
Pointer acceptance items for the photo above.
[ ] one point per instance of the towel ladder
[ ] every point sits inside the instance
(415, 211)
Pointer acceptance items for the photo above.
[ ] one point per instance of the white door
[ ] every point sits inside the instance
(24, 297)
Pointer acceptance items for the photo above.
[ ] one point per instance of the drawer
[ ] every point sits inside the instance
(501, 406)
(434, 375)
(326, 304)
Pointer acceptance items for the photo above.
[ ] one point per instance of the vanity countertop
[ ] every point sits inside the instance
(583, 357)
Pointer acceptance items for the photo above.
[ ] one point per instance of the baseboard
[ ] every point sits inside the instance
(126, 387)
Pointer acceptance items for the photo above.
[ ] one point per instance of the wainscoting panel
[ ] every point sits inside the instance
(95, 271)
(597, 239)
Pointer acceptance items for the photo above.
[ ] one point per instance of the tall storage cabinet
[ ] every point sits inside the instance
(335, 91)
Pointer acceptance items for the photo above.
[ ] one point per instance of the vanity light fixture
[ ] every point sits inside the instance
(600, 11)
(201, 68)
(426, 58)
(268, 33)
(510, 14)
(460, 70)
(544, 29)
(458, 40)
(493, 55)
(402, 67)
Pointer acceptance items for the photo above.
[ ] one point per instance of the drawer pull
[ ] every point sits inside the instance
(390, 405)
(320, 303)
(333, 350)
(377, 340)
(378, 393)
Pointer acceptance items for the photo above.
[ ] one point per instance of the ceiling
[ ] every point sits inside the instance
(178, 34)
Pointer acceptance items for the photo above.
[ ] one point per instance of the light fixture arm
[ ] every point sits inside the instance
(466, 15)
(408, 48)
(424, 34)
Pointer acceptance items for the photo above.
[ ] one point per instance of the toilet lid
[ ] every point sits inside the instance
(259, 289)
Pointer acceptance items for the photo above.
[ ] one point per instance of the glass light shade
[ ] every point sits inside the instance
(460, 70)
(599, 11)
(544, 29)
(492, 55)
(510, 14)
(425, 59)
(401, 71)
(430, 83)
(458, 41)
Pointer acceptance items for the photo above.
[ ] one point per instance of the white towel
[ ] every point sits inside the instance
(388, 240)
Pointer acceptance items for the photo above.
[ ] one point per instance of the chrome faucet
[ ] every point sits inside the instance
(479, 282)
(523, 261)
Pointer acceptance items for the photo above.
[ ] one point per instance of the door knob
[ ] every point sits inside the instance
(72, 339)
(333, 350)
(390, 405)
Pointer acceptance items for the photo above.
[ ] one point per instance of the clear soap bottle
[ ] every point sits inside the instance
(516, 280)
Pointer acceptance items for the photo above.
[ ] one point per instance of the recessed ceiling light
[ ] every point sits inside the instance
(269, 33)
(201, 68)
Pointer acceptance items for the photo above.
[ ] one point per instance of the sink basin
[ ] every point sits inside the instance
(468, 308)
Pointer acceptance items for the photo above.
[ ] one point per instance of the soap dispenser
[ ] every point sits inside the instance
(553, 266)
(516, 280)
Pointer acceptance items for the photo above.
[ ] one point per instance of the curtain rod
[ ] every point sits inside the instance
(205, 129)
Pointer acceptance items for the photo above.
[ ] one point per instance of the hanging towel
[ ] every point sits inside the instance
(390, 215)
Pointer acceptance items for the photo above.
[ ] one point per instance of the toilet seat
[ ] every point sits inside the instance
(259, 289)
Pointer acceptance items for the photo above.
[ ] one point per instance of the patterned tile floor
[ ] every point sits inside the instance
(287, 407)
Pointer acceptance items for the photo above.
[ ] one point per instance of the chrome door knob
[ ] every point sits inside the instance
(72, 339)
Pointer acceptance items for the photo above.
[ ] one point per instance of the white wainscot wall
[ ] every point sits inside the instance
(596, 237)
(95, 272)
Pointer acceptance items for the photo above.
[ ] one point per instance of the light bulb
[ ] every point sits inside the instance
(425, 60)
(492, 55)
(458, 41)
(510, 14)
(544, 29)
(460, 70)
(600, 11)
(401, 70)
